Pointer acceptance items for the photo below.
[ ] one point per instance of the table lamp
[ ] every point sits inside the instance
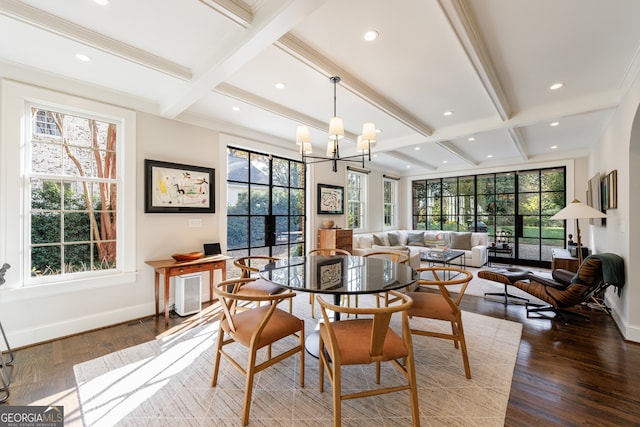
(577, 210)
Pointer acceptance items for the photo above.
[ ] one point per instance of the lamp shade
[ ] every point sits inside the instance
(362, 146)
(336, 128)
(577, 210)
(302, 135)
(369, 134)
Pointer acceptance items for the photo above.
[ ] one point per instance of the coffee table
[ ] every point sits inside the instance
(445, 257)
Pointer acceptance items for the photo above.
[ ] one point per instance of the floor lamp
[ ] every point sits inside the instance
(578, 210)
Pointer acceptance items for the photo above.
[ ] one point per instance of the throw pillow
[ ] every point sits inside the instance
(394, 239)
(415, 239)
(380, 239)
(365, 242)
(461, 241)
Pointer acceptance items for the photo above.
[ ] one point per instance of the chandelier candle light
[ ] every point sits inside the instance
(336, 133)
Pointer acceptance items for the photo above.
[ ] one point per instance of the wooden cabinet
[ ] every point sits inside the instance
(561, 258)
(338, 238)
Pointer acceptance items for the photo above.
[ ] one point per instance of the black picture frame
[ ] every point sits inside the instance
(329, 273)
(178, 188)
(330, 199)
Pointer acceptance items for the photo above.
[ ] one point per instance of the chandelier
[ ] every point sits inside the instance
(336, 132)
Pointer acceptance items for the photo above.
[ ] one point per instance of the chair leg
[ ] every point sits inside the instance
(413, 391)
(337, 398)
(463, 350)
(216, 362)
(248, 387)
(6, 343)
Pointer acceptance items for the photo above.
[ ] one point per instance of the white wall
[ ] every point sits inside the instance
(622, 232)
(40, 313)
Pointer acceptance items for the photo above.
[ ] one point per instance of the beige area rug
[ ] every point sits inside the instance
(167, 383)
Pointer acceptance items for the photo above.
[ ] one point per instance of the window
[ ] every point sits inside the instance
(390, 202)
(72, 186)
(76, 222)
(518, 203)
(265, 205)
(356, 199)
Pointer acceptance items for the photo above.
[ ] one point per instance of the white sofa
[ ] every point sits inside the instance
(473, 244)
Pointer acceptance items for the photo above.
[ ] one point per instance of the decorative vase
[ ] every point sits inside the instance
(327, 223)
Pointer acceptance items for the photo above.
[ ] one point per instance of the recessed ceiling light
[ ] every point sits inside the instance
(556, 86)
(408, 166)
(444, 161)
(82, 57)
(554, 124)
(490, 155)
(280, 86)
(448, 113)
(375, 155)
(417, 148)
(102, 2)
(471, 138)
(371, 35)
(553, 147)
(235, 108)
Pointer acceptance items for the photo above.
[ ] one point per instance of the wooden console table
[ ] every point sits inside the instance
(170, 267)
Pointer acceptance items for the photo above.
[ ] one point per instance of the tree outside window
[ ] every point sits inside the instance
(73, 193)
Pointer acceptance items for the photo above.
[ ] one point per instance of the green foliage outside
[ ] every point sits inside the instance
(46, 221)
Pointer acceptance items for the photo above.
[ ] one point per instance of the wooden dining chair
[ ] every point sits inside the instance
(255, 328)
(394, 256)
(365, 341)
(249, 267)
(325, 252)
(441, 305)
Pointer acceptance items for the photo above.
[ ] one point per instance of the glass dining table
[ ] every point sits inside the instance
(338, 276)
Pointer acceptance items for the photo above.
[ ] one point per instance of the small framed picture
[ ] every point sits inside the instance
(330, 199)
(177, 188)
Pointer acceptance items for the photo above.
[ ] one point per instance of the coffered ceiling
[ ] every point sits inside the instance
(490, 62)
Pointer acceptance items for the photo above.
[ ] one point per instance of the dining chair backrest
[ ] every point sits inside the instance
(328, 252)
(249, 265)
(399, 257)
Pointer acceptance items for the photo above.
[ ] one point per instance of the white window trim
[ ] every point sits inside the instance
(363, 200)
(13, 207)
(394, 204)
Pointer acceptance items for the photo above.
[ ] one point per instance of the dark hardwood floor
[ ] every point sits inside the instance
(580, 373)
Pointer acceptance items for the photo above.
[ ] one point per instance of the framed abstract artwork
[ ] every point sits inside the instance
(178, 188)
(330, 199)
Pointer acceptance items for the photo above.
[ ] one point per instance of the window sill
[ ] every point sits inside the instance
(12, 294)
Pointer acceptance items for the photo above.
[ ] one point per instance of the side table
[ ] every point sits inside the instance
(170, 267)
(498, 249)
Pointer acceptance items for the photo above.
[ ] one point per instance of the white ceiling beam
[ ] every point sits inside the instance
(546, 113)
(448, 145)
(462, 23)
(273, 19)
(514, 134)
(272, 107)
(411, 160)
(237, 11)
(308, 56)
(30, 15)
